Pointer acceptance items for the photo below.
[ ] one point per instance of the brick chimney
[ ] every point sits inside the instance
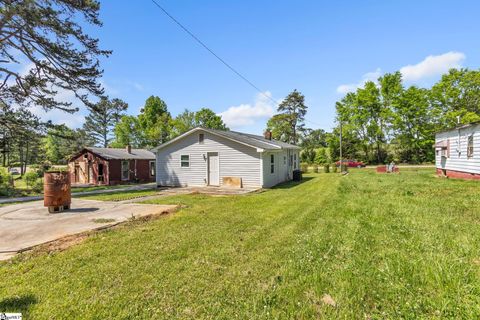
(128, 148)
(268, 134)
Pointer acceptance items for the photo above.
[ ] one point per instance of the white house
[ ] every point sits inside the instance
(206, 157)
(457, 152)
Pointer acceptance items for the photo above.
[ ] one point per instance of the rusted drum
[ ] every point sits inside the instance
(56, 191)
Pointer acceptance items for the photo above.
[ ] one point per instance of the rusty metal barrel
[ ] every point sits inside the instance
(56, 191)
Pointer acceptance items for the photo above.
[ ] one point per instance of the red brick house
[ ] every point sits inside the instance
(109, 166)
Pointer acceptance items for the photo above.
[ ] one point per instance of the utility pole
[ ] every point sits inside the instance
(341, 156)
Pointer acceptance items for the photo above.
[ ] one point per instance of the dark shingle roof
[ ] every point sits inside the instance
(254, 140)
(112, 153)
(251, 140)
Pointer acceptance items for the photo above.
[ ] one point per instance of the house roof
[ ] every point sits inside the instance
(463, 126)
(251, 140)
(122, 154)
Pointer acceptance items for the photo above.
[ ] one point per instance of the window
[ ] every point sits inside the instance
(185, 161)
(295, 161)
(125, 170)
(470, 146)
(272, 163)
(201, 138)
(100, 172)
(152, 168)
(284, 160)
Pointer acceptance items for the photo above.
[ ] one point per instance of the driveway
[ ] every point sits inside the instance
(29, 224)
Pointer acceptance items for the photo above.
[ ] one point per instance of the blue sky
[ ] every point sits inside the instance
(320, 48)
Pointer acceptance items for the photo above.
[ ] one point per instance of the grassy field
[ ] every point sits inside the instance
(382, 246)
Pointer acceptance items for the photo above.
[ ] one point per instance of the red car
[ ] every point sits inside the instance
(351, 163)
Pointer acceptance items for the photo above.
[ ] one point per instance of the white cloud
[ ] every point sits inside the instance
(247, 114)
(429, 67)
(369, 76)
(433, 66)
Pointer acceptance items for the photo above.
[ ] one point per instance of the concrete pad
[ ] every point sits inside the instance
(29, 224)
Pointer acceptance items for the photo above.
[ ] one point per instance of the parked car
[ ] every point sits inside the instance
(351, 163)
(13, 171)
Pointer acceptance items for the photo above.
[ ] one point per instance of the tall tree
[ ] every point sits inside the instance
(206, 118)
(128, 132)
(155, 121)
(280, 127)
(457, 94)
(182, 123)
(102, 118)
(294, 107)
(49, 36)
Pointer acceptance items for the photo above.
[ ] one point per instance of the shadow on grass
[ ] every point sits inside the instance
(292, 184)
(17, 303)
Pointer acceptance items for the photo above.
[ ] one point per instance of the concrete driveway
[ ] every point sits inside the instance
(29, 224)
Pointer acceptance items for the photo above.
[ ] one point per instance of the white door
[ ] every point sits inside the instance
(213, 170)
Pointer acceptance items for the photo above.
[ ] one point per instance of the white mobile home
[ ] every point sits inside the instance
(457, 152)
(206, 157)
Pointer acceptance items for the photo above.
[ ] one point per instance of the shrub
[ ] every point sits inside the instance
(6, 188)
(326, 168)
(315, 168)
(30, 178)
(38, 186)
(335, 169)
(304, 167)
(344, 168)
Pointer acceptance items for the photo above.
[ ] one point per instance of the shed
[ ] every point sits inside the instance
(457, 152)
(207, 157)
(109, 166)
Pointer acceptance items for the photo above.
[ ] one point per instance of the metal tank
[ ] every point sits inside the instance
(56, 191)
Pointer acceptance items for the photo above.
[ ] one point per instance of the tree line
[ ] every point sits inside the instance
(386, 121)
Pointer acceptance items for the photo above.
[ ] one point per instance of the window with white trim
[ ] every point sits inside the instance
(470, 146)
(152, 168)
(272, 163)
(185, 161)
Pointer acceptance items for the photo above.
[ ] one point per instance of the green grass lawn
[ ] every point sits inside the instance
(382, 246)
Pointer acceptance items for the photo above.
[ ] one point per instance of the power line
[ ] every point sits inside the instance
(191, 34)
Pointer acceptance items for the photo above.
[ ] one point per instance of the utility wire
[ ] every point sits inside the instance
(191, 34)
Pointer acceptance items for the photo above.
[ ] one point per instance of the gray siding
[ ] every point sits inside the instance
(236, 160)
(458, 160)
(283, 167)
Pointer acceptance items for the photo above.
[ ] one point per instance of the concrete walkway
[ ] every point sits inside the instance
(29, 224)
(149, 186)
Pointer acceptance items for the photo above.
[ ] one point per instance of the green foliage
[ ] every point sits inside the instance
(182, 123)
(308, 155)
(102, 118)
(322, 156)
(48, 36)
(154, 121)
(30, 178)
(128, 132)
(326, 168)
(206, 118)
(313, 139)
(315, 168)
(5, 185)
(289, 123)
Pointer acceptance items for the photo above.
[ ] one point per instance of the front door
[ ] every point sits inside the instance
(213, 169)
(125, 171)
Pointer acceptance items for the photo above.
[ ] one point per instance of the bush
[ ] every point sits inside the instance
(344, 168)
(6, 189)
(304, 167)
(326, 168)
(315, 168)
(335, 169)
(30, 178)
(38, 186)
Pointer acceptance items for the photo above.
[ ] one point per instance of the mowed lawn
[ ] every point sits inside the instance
(382, 246)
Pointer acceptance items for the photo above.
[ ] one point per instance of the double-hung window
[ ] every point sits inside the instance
(470, 146)
(152, 168)
(185, 161)
(272, 163)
